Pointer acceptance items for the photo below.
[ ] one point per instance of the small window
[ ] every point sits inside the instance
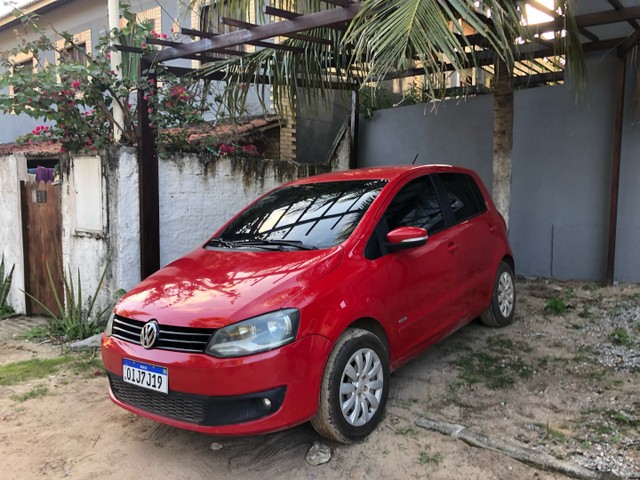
(74, 54)
(416, 205)
(465, 198)
(26, 66)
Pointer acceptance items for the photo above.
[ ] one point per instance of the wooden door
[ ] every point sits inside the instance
(42, 239)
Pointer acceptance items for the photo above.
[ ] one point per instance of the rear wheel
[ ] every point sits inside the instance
(354, 388)
(503, 299)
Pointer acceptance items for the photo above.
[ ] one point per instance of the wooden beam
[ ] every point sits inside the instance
(538, 79)
(619, 6)
(589, 34)
(148, 183)
(128, 49)
(325, 18)
(615, 167)
(630, 42)
(185, 71)
(589, 20)
(307, 38)
(339, 3)
(280, 13)
(259, 43)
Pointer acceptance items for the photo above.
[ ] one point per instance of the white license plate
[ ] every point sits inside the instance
(145, 375)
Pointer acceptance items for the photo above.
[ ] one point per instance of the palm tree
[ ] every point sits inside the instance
(391, 36)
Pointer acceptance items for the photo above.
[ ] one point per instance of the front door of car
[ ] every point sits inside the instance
(423, 278)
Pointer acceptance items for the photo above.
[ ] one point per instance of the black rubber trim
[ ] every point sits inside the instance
(198, 409)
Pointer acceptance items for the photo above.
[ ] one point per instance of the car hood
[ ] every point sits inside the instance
(213, 288)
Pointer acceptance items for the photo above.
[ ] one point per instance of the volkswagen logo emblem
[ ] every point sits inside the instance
(149, 334)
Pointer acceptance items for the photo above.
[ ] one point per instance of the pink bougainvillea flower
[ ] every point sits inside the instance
(75, 84)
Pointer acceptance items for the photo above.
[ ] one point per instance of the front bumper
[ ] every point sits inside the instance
(224, 396)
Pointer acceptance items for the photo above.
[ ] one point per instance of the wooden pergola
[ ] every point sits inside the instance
(614, 27)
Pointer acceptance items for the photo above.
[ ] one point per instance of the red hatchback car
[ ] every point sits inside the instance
(300, 307)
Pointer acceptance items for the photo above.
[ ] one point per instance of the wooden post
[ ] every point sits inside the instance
(355, 123)
(615, 167)
(148, 180)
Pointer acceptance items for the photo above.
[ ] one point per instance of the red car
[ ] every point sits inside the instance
(300, 307)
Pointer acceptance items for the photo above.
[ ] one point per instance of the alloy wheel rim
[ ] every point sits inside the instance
(505, 294)
(361, 387)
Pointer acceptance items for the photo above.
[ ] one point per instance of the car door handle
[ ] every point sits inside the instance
(452, 247)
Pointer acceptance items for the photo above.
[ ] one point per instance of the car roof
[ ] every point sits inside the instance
(388, 173)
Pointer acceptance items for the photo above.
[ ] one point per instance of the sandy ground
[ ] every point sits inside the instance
(564, 384)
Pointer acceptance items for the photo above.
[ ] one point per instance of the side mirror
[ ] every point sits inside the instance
(406, 237)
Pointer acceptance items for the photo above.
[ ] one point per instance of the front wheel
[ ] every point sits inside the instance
(354, 388)
(503, 299)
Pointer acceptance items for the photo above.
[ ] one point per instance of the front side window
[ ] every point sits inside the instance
(319, 215)
(465, 198)
(416, 205)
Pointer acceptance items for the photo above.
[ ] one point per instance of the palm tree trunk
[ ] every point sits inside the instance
(502, 137)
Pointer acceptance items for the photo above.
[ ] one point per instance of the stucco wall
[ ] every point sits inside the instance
(198, 196)
(13, 169)
(117, 246)
(561, 175)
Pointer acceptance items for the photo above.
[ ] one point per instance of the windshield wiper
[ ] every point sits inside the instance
(220, 241)
(279, 243)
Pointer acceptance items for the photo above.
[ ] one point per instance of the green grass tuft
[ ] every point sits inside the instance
(555, 306)
(36, 392)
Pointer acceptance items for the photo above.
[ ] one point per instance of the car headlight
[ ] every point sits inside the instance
(108, 329)
(257, 334)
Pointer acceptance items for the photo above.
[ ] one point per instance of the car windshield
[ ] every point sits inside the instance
(317, 215)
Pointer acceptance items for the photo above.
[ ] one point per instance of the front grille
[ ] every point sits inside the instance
(190, 408)
(198, 409)
(181, 339)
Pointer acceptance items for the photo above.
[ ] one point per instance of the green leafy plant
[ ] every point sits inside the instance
(76, 95)
(620, 336)
(585, 312)
(555, 306)
(427, 458)
(76, 318)
(5, 286)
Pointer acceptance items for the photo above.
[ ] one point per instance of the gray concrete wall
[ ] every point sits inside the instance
(434, 132)
(628, 240)
(561, 168)
(318, 126)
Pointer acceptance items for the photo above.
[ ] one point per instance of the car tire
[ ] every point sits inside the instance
(355, 387)
(503, 299)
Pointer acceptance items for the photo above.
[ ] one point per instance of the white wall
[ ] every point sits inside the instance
(13, 169)
(114, 196)
(198, 196)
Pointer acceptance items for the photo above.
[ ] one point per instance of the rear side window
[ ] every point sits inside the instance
(464, 196)
(416, 205)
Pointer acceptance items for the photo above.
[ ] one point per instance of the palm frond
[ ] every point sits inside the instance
(386, 36)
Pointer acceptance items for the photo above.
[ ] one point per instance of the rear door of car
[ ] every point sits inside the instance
(474, 238)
